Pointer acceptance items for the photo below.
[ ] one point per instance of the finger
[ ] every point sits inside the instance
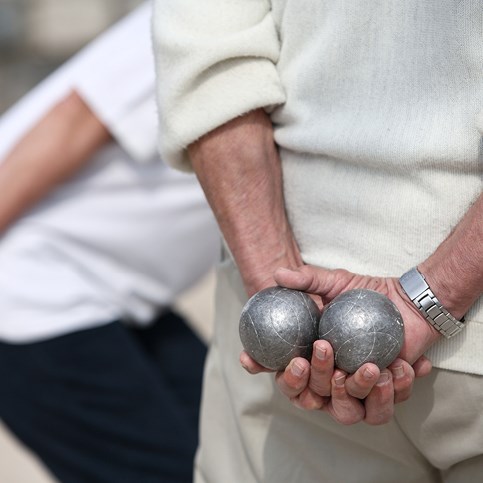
(250, 365)
(343, 408)
(322, 368)
(294, 279)
(316, 280)
(379, 403)
(295, 378)
(360, 383)
(403, 379)
(422, 367)
(308, 400)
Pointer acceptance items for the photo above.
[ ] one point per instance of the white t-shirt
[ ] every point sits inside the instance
(125, 236)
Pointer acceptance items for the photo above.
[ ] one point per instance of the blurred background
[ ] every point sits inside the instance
(36, 36)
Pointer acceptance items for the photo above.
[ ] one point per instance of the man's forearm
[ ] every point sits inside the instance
(455, 270)
(54, 150)
(239, 168)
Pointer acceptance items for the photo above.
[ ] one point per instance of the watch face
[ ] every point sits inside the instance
(413, 283)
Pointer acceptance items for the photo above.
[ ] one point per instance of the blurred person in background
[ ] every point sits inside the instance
(97, 238)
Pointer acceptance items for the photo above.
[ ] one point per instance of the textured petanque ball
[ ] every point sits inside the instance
(278, 324)
(362, 326)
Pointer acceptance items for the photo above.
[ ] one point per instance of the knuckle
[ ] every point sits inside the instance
(314, 405)
(358, 394)
(306, 404)
(349, 419)
(289, 384)
(295, 401)
(309, 400)
(380, 418)
(289, 392)
(399, 398)
(320, 388)
(348, 414)
(404, 384)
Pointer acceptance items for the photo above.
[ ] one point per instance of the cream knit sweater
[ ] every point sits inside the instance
(378, 112)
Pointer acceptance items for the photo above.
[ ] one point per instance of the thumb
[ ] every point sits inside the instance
(307, 278)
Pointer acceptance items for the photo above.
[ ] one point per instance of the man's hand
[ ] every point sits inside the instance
(328, 284)
(369, 394)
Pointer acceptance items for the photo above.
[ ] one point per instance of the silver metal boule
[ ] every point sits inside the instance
(362, 326)
(278, 324)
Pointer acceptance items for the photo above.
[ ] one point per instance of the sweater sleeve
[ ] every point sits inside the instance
(215, 60)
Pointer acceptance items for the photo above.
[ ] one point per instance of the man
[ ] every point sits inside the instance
(98, 237)
(374, 126)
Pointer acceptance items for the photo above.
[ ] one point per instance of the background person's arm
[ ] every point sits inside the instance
(54, 150)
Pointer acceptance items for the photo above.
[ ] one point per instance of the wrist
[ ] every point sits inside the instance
(258, 268)
(445, 289)
(454, 270)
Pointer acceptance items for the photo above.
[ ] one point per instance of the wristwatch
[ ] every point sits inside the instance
(416, 288)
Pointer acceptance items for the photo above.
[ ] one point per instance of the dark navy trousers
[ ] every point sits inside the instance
(109, 404)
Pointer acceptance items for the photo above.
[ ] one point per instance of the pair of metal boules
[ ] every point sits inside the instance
(278, 324)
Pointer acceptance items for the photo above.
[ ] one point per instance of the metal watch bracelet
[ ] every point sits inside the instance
(414, 285)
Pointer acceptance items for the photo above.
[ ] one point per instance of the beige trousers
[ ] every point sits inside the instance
(250, 433)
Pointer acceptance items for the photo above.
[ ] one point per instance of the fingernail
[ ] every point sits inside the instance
(339, 381)
(383, 378)
(398, 372)
(368, 374)
(320, 353)
(297, 369)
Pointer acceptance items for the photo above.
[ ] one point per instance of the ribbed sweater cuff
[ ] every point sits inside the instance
(233, 88)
